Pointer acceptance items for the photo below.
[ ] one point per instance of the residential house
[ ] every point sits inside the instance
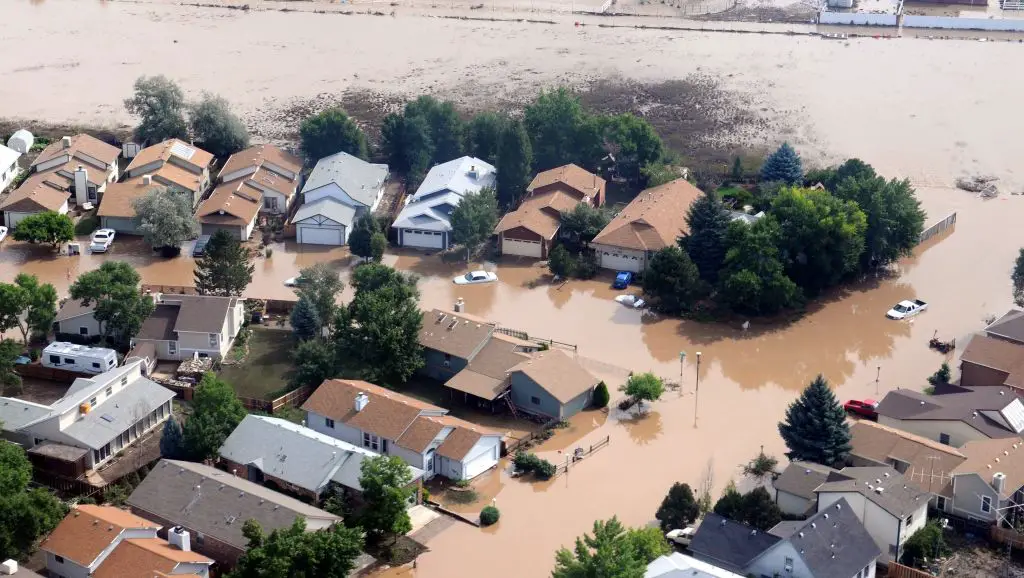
(8, 166)
(954, 415)
(267, 168)
(213, 505)
(794, 488)
(676, 565)
(925, 464)
(552, 384)
(530, 230)
(655, 219)
(38, 194)
(73, 318)
(286, 456)
(988, 487)
(831, 544)
(96, 418)
(348, 179)
(327, 221)
(182, 326)
(992, 361)
(78, 164)
(383, 421)
(176, 165)
(232, 207)
(1009, 327)
(117, 209)
(890, 508)
(425, 221)
(108, 542)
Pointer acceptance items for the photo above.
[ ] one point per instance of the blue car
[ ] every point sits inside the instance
(622, 280)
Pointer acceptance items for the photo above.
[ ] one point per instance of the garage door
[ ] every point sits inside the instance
(481, 463)
(520, 247)
(424, 239)
(123, 225)
(308, 235)
(235, 231)
(619, 261)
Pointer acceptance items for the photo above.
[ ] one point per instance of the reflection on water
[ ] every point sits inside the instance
(643, 427)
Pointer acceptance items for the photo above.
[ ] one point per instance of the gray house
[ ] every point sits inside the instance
(552, 384)
(76, 319)
(794, 489)
(989, 483)
(955, 415)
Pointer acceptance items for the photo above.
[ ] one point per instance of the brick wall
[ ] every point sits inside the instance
(225, 555)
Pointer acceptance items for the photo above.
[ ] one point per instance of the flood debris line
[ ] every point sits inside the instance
(981, 184)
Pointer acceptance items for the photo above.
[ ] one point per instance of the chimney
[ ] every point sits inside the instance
(81, 185)
(65, 142)
(999, 482)
(361, 400)
(180, 537)
(147, 179)
(460, 305)
(472, 172)
(9, 568)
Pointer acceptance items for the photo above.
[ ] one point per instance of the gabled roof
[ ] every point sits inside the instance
(146, 558)
(8, 157)
(486, 376)
(116, 413)
(993, 411)
(801, 478)
(540, 214)
(88, 530)
(236, 202)
(80, 143)
(653, 220)
(677, 565)
(257, 155)
(73, 308)
(328, 207)
(359, 179)
(163, 151)
(1010, 326)
(159, 326)
(40, 192)
(834, 543)
(558, 374)
(883, 486)
(457, 334)
(989, 457)
(442, 190)
(388, 414)
(216, 503)
(728, 544)
(188, 313)
(118, 197)
(575, 177)
(173, 174)
(999, 354)
(929, 462)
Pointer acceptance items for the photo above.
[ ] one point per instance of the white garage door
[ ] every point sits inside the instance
(619, 261)
(481, 463)
(424, 239)
(520, 247)
(308, 235)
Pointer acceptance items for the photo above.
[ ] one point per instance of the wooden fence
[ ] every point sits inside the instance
(38, 371)
(937, 228)
(1007, 537)
(518, 334)
(293, 398)
(572, 457)
(901, 571)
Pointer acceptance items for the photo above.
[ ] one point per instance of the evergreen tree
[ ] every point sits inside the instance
(672, 281)
(708, 223)
(679, 508)
(378, 244)
(216, 412)
(304, 320)
(331, 132)
(226, 268)
(942, 376)
(560, 262)
(172, 442)
(601, 395)
(515, 157)
(783, 165)
(359, 239)
(321, 286)
(1017, 277)
(815, 429)
(483, 135)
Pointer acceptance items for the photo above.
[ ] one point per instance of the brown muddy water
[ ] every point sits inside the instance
(746, 377)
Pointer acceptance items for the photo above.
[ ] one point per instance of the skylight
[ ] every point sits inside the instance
(1014, 414)
(180, 149)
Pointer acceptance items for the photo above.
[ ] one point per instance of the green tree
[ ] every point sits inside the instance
(822, 237)
(386, 491)
(928, 543)
(1017, 277)
(321, 289)
(608, 553)
(47, 227)
(165, 218)
(753, 279)
(378, 244)
(489, 516)
(315, 362)
(13, 302)
(10, 381)
(330, 132)
(830, 177)
(634, 143)
(783, 165)
(304, 320)
(15, 469)
(657, 174)
(649, 543)
(672, 281)
(555, 122)
(160, 105)
(679, 508)
(514, 163)
(736, 172)
(172, 442)
(474, 219)
(216, 412)
(25, 516)
(408, 145)
(560, 262)
(446, 127)
(583, 223)
(362, 232)
(755, 508)
(644, 387)
(483, 136)
(40, 307)
(815, 428)
(705, 241)
(118, 303)
(296, 553)
(216, 128)
(942, 376)
(226, 267)
(601, 395)
(761, 468)
(377, 335)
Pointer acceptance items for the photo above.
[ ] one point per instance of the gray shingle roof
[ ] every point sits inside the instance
(73, 308)
(1009, 326)
(116, 413)
(834, 543)
(801, 478)
(728, 544)
(978, 407)
(359, 179)
(329, 207)
(896, 496)
(200, 313)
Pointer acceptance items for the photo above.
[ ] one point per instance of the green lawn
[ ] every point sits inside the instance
(267, 368)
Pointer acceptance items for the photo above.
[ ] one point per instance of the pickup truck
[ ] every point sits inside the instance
(906, 309)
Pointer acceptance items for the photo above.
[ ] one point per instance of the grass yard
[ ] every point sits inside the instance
(267, 368)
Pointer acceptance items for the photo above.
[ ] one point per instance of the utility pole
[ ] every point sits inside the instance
(696, 392)
(877, 375)
(682, 358)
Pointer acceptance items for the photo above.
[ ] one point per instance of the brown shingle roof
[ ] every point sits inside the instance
(176, 175)
(87, 145)
(1009, 326)
(575, 177)
(165, 150)
(236, 200)
(88, 530)
(274, 182)
(144, 558)
(73, 308)
(558, 374)
(200, 313)
(94, 175)
(653, 220)
(388, 414)
(458, 443)
(40, 192)
(539, 213)
(996, 354)
(118, 198)
(882, 444)
(461, 340)
(255, 156)
(478, 384)
(991, 456)
(419, 435)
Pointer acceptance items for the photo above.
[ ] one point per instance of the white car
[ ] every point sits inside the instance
(3, 233)
(682, 536)
(906, 309)
(475, 277)
(101, 240)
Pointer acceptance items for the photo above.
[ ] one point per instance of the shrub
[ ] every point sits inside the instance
(525, 461)
(601, 395)
(544, 469)
(34, 355)
(425, 493)
(87, 225)
(461, 483)
(489, 515)
(268, 252)
(78, 339)
(586, 265)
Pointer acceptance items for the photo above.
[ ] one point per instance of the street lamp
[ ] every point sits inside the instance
(696, 397)
(682, 358)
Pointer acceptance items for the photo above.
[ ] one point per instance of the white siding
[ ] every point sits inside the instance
(334, 191)
(793, 504)
(7, 175)
(959, 432)
(482, 457)
(773, 563)
(74, 325)
(884, 528)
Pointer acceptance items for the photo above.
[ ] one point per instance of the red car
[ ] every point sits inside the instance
(867, 408)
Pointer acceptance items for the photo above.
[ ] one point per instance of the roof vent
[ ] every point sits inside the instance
(886, 474)
(801, 534)
(753, 532)
(813, 525)
(839, 506)
(1001, 392)
(1006, 453)
(879, 490)
(833, 555)
(878, 480)
(922, 403)
(826, 515)
(723, 522)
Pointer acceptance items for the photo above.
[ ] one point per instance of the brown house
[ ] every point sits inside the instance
(996, 356)
(529, 230)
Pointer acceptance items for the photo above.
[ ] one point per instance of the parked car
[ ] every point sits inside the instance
(474, 277)
(622, 280)
(200, 247)
(295, 281)
(906, 309)
(682, 536)
(634, 301)
(867, 408)
(3, 233)
(101, 240)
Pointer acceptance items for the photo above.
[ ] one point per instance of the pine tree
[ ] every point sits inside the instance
(815, 429)
(304, 320)
(515, 158)
(783, 165)
(672, 281)
(226, 268)
(378, 244)
(601, 395)
(172, 443)
(678, 509)
(708, 223)
(359, 239)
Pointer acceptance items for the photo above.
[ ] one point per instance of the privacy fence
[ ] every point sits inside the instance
(937, 228)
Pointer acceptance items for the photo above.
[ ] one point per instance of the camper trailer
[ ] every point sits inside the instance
(81, 358)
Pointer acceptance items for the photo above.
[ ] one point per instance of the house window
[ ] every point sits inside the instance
(92, 402)
(96, 365)
(534, 400)
(69, 361)
(83, 331)
(447, 360)
(329, 422)
(371, 441)
(910, 519)
(944, 438)
(124, 380)
(789, 564)
(986, 504)
(110, 390)
(270, 203)
(172, 347)
(213, 340)
(101, 454)
(200, 538)
(55, 359)
(59, 559)
(940, 503)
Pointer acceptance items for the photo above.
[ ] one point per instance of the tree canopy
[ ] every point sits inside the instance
(119, 305)
(483, 135)
(172, 442)
(514, 163)
(15, 469)
(815, 428)
(10, 380)
(25, 514)
(428, 131)
(1017, 277)
(706, 242)
(927, 543)
(330, 132)
(557, 126)
(226, 267)
(386, 491)
(583, 223)
(612, 551)
(315, 361)
(216, 412)
(165, 218)
(296, 553)
(474, 219)
(361, 237)
(679, 508)
(672, 281)
(160, 105)
(27, 305)
(633, 142)
(216, 128)
(304, 320)
(560, 262)
(753, 279)
(644, 387)
(321, 288)
(46, 227)
(783, 165)
(755, 508)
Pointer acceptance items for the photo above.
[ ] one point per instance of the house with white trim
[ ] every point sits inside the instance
(271, 170)
(183, 326)
(8, 166)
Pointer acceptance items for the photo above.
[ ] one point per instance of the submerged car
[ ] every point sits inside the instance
(475, 277)
(295, 281)
(867, 408)
(101, 240)
(906, 309)
(622, 280)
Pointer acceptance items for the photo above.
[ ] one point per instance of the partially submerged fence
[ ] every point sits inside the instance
(579, 453)
(293, 398)
(937, 228)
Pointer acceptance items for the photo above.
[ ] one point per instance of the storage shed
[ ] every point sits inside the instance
(21, 141)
